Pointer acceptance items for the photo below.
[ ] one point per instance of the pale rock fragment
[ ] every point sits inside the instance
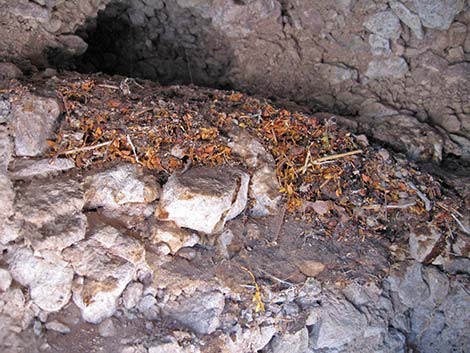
(200, 312)
(264, 186)
(57, 327)
(49, 280)
(132, 294)
(29, 168)
(296, 342)
(204, 198)
(58, 234)
(5, 280)
(40, 203)
(120, 185)
(34, 118)
(104, 277)
(172, 235)
(422, 241)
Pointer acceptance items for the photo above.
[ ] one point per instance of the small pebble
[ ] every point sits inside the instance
(58, 327)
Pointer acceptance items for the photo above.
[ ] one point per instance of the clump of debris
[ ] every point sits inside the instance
(142, 218)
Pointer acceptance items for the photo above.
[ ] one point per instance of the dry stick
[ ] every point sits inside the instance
(109, 86)
(427, 203)
(304, 168)
(335, 156)
(133, 148)
(279, 223)
(464, 229)
(86, 148)
(406, 205)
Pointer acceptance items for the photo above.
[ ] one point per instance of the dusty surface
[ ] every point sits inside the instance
(354, 248)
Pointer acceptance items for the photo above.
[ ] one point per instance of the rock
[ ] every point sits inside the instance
(132, 295)
(200, 312)
(338, 324)
(422, 241)
(49, 280)
(58, 234)
(34, 118)
(252, 339)
(361, 295)
(407, 17)
(384, 24)
(204, 198)
(15, 308)
(373, 109)
(107, 328)
(379, 46)
(40, 203)
(406, 134)
(5, 108)
(148, 306)
(223, 243)
(9, 231)
(337, 73)
(170, 234)
(291, 342)
(105, 276)
(28, 168)
(73, 45)
(438, 14)
(118, 186)
(5, 280)
(309, 268)
(7, 197)
(395, 67)
(264, 186)
(9, 71)
(264, 192)
(121, 245)
(6, 149)
(57, 327)
(171, 347)
(412, 289)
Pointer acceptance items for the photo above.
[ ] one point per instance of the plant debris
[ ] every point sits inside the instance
(344, 187)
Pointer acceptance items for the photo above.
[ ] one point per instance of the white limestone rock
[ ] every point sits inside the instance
(120, 185)
(204, 198)
(172, 235)
(5, 280)
(58, 234)
(49, 280)
(34, 118)
(264, 186)
(104, 277)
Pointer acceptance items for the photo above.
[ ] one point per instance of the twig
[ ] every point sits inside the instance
(374, 207)
(144, 111)
(275, 278)
(133, 148)
(86, 148)
(427, 202)
(280, 222)
(464, 229)
(406, 205)
(109, 86)
(335, 156)
(304, 168)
